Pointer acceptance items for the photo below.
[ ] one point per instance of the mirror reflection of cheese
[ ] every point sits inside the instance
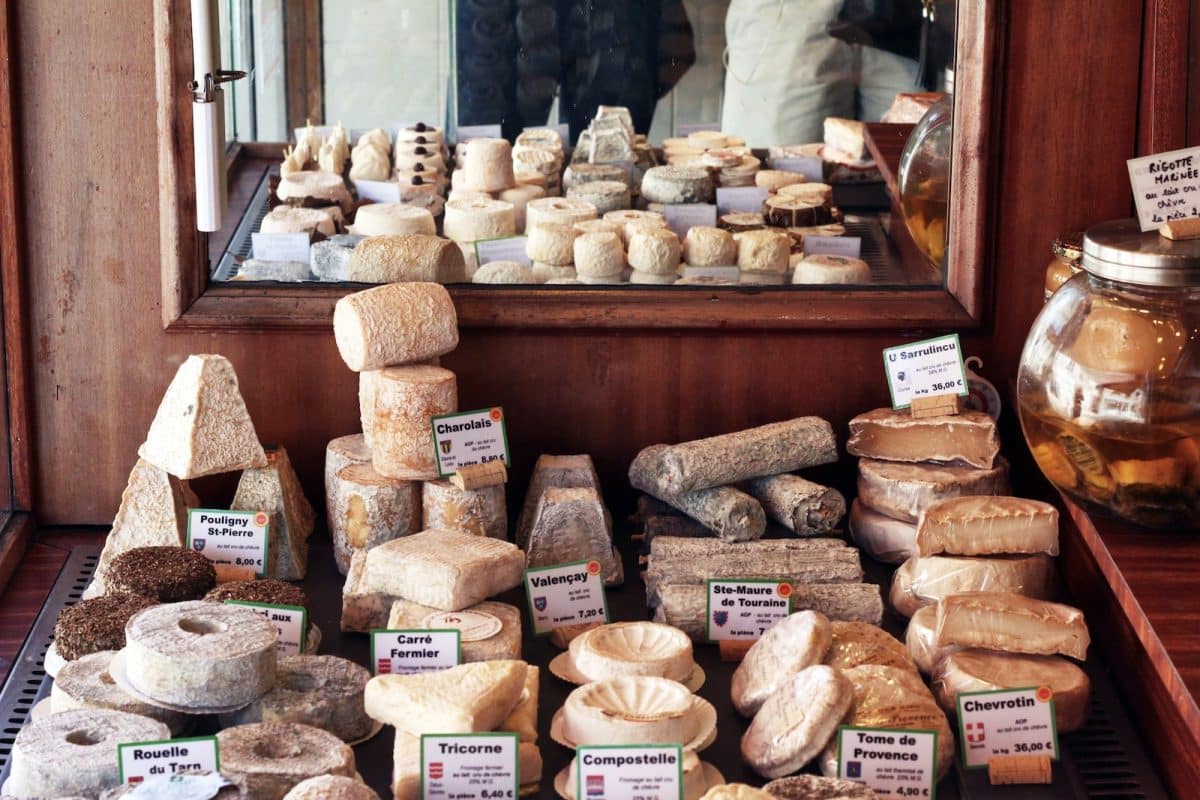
(1133, 341)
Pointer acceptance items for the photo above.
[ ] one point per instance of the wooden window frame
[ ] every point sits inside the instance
(190, 303)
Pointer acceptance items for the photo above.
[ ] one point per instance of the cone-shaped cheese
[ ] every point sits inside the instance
(469, 698)
(202, 426)
(276, 490)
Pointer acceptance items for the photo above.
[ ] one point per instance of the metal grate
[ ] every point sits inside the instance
(241, 244)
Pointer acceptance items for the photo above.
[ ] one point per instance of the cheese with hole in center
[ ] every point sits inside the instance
(921, 581)
(367, 509)
(1012, 623)
(400, 323)
(479, 511)
(267, 759)
(891, 435)
(489, 631)
(405, 399)
(275, 489)
(902, 491)
(469, 698)
(976, 526)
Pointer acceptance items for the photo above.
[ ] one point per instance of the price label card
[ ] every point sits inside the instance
(290, 621)
(927, 368)
(138, 762)
(894, 763)
(736, 199)
(378, 191)
(468, 438)
(566, 594)
(404, 652)
(1166, 186)
(1009, 722)
(681, 218)
(281, 246)
(239, 538)
(744, 609)
(848, 246)
(468, 132)
(509, 248)
(624, 772)
(716, 273)
(470, 765)
(811, 167)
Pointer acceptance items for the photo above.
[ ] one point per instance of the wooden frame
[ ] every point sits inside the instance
(190, 304)
(302, 43)
(1166, 103)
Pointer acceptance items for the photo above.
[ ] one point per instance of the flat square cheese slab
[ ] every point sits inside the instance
(976, 526)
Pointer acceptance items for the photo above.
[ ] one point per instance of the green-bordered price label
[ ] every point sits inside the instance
(745, 609)
(1007, 722)
(928, 368)
(290, 621)
(476, 765)
(629, 772)
(138, 762)
(238, 538)
(565, 594)
(894, 763)
(404, 652)
(468, 438)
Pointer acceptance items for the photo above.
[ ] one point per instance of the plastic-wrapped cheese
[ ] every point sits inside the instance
(1012, 623)
(883, 538)
(921, 581)
(987, 525)
(902, 491)
(921, 640)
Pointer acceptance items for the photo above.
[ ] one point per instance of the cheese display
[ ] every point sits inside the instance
(367, 509)
(479, 511)
(635, 710)
(275, 490)
(404, 400)
(890, 435)
(794, 643)
(796, 720)
(853, 644)
(85, 683)
(985, 525)
(463, 699)
(802, 506)
(1011, 623)
(881, 537)
(446, 569)
(331, 787)
(400, 323)
(817, 787)
(573, 525)
(921, 581)
(324, 692)
(405, 256)
(629, 648)
(903, 490)
(268, 759)
(488, 631)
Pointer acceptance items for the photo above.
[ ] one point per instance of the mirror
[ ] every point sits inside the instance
(757, 106)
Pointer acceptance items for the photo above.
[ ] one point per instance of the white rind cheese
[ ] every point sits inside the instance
(367, 509)
(405, 400)
(974, 526)
(275, 489)
(482, 511)
(400, 323)
(902, 491)
(469, 698)
(798, 641)
(1012, 623)
(924, 581)
(796, 721)
(363, 610)
(921, 640)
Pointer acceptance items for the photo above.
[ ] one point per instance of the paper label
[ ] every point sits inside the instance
(473, 626)
(179, 787)
(509, 248)
(566, 594)
(470, 765)
(847, 246)
(811, 167)
(746, 199)
(894, 763)
(404, 652)
(681, 218)
(290, 621)
(1166, 186)
(1009, 722)
(624, 772)
(239, 538)
(717, 273)
(468, 132)
(928, 368)
(281, 246)
(378, 191)
(468, 438)
(687, 129)
(138, 762)
(745, 609)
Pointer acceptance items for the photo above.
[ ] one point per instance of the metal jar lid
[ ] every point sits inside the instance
(1119, 251)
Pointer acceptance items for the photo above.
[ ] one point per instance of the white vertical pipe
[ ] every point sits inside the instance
(207, 119)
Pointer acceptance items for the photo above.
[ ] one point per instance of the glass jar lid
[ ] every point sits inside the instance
(1118, 250)
(1069, 247)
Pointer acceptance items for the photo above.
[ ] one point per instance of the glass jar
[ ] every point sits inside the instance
(1068, 253)
(924, 181)
(1109, 382)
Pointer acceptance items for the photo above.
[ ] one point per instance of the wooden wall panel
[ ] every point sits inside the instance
(101, 359)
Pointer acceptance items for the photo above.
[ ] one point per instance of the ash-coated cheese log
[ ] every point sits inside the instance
(891, 435)
(400, 323)
(409, 257)
(818, 787)
(757, 452)
(1012, 623)
(902, 491)
(673, 525)
(479, 511)
(267, 759)
(685, 606)
(732, 514)
(74, 753)
(325, 692)
(921, 581)
(363, 609)
(367, 509)
(276, 490)
(881, 537)
(976, 526)
(405, 399)
(800, 505)
(85, 683)
(573, 525)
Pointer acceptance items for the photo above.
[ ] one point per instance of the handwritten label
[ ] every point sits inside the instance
(1166, 186)
(745, 609)
(378, 191)
(716, 273)
(927, 368)
(469, 437)
(509, 248)
(404, 652)
(290, 621)
(468, 132)
(741, 199)
(138, 762)
(894, 763)
(240, 538)
(848, 246)
(566, 594)
(681, 218)
(624, 772)
(470, 765)
(811, 167)
(281, 246)
(1009, 722)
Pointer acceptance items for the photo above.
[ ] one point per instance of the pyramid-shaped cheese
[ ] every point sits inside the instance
(563, 472)
(469, 698)
(276, 490)
(573, 525)
(153, 512)
(202, 426)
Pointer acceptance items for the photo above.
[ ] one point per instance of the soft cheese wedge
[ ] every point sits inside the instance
(1012, 623)
(469, 698)
(890, 435)
(794, 643)
(976, 526)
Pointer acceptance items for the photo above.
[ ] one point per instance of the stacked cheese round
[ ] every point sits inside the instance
(325, 692)
(632, 219)
(519, 196)
(405, 399)
(599, 255)
(381, 219)
(675, 184)
(315, 190)
(476, 218)
(488, 165)
(85, 683)
(289, 219)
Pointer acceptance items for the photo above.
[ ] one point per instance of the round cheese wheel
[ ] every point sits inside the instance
(821, 193)
(775, 179)
(705, 246)
(503, 272)
(891, 541)
(604, 195)
(654, 250)
(827, 269)
(763, 251)
(558, 209)
(86, 683)
(287, 219)
(406, 398)
(519, 196)
(323, 188)
(380, 219)
(676, 184)
(489, 165)
(551, 243)
(472, 219)
(598, 255)
(268, 759)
